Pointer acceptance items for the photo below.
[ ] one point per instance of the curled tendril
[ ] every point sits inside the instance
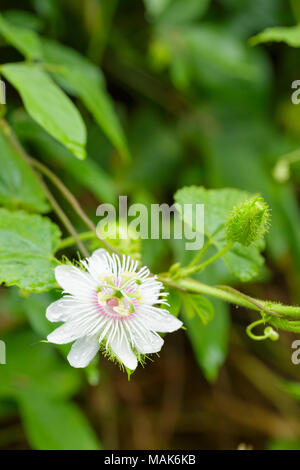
(269, 332)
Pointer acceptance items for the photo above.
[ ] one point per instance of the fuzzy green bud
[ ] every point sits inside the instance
(248, 221)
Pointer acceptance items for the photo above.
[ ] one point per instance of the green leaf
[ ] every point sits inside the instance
(209, 342)
(290, 35)
(55, 425)
(243, 262)
(27, 247)
(23, 39)
(48, 105)
(79, 77)
(18, 186)
(198, 306)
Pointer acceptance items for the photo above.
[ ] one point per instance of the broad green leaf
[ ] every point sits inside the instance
(290, 35)
(79, 77)
(217, 204)
(18, 186)
(23, 39)
(198, 306)
(243, 262)
(27, 247)
(55, 424)
(48, 105)
(209, 342)
(33, 366)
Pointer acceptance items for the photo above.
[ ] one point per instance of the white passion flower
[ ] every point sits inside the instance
(110, 305)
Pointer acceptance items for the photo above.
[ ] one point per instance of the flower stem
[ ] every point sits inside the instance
(69, 241)
(200, 267)
(200, 253)
(71, 199)
(233, 296)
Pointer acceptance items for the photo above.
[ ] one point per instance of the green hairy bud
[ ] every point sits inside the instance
(248, 221)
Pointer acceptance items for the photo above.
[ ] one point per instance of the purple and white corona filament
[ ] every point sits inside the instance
(110, 304)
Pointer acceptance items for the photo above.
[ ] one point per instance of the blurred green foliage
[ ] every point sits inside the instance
(157, 95)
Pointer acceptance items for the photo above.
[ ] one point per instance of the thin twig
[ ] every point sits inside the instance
(63, 217)
(71, 199)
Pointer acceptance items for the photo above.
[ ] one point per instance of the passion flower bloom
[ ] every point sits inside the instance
(110, 305)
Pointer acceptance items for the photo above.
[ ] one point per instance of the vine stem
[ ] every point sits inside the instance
(193, 269)
(63, 217)
(69, 241)
(233, 296)
(200, 254)
(71, 199)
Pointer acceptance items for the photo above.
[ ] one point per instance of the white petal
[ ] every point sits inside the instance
(122, 349)
(151, 291)
(85, 325)
(158, 319)
(98, 264)
(83, 351)
(75, 281)
(64, 334)
(148, 343)
(63, 309)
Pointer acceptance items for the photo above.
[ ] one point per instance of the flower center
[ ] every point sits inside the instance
(119, 296)
(112, 302)
(116, 302)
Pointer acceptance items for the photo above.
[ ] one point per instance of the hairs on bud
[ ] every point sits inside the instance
(248, 221)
